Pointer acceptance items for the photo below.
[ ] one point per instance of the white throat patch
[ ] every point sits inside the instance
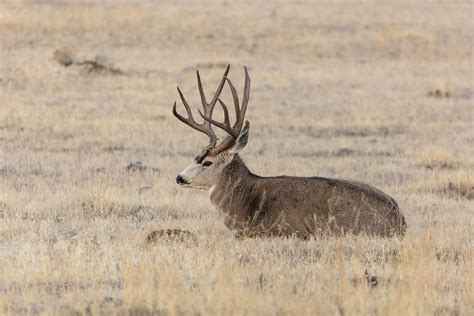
(211, 189)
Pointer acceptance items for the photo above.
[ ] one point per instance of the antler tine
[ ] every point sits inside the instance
(245, 101)
(234, 96)
(226, 114)
(185, 103)
(220, 87)
(209, 107)
(205, 106)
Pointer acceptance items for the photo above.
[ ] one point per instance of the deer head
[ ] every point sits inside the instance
(204, 171)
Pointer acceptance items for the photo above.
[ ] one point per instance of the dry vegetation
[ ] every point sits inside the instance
(338, 90)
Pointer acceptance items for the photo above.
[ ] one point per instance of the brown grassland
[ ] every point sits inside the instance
(381, 92)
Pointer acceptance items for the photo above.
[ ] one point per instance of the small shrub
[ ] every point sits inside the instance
(64, 55)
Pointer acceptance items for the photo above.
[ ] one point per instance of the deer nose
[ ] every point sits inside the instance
(180, 180)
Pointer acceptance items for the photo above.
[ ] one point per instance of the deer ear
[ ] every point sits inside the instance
(242, 140)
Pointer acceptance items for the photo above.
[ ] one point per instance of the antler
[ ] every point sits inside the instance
(205, 127)
(239, 115)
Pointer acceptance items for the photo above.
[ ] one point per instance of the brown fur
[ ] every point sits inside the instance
(302, 207)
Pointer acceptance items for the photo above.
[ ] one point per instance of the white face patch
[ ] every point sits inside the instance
(189, 173)
(204, 175)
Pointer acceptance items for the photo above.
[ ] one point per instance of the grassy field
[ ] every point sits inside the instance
(381, 92)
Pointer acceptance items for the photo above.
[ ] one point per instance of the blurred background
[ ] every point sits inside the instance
(376, 91)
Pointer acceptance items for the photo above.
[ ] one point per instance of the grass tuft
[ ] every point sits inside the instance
(437, 158)
(459, 186)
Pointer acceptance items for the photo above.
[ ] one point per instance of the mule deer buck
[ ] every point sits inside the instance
(277, 206)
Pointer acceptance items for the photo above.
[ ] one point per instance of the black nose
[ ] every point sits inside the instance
(180, 180)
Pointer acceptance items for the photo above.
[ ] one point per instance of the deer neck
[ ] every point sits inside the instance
(232, 188)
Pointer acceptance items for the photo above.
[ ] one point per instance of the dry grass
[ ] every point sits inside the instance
(437, 158)
(338, 90)
(459, 185)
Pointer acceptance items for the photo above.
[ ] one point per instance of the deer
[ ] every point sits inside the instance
(281, 206)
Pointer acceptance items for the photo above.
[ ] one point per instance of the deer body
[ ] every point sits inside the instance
(279, 206)
(270, 206)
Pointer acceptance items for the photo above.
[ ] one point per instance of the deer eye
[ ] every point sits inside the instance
(207, 163)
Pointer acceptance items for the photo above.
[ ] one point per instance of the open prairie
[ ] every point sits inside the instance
(379, 92)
